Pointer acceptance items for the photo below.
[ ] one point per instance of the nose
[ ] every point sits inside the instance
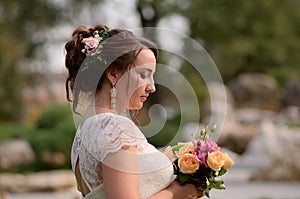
(151, 87)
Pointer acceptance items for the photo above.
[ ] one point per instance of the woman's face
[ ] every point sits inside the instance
(138, 82)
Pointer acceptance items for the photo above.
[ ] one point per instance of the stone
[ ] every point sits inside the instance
(292, 92)
(224, 111)
(290, 115)
(54, 158)
(247, 126)
(256, 90)
(254, 115)
(274, 152)
(238, 140)
(14, 153)
(54, 180)
(231, 134)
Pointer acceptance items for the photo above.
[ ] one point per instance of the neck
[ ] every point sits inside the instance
(102, 101)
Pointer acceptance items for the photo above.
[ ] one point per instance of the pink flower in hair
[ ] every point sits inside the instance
(91, 42)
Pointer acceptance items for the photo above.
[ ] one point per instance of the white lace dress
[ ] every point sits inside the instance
(100, 141)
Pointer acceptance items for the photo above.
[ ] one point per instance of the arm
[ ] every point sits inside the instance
(177, 191)
(120, 184)
(117, 182)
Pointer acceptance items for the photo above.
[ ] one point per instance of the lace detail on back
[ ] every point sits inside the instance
(90, 168)
(107, 133)
(100, 135)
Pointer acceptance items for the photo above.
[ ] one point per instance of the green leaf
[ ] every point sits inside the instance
(213, 128)
(183, 178)
(217, 184)
(176, 147)
(203, 132)
(206, 192)
(222, 172)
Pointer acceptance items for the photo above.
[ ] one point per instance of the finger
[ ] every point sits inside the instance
(200, 192)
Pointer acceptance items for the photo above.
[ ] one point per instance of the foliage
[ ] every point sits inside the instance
(11, 130)
(247, 36)
(53, 116)
(53, 133)
(24, 27)
(244, 36)
(166, 134)
(19, 23)
(282, 73)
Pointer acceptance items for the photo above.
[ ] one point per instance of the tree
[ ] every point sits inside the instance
(244, 36)
(18, 24)
(256, 35)
(23, 29)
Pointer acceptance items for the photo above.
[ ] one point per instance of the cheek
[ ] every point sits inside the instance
(133, 86)
(136, 94)
(135, 99)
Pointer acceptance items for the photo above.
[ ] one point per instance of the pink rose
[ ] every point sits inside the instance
(91, 42)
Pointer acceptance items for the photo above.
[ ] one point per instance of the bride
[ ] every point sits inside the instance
(111, 158)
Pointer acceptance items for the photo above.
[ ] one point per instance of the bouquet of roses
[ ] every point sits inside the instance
(200, 162)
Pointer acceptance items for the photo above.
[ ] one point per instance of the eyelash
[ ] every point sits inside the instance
(144, 75)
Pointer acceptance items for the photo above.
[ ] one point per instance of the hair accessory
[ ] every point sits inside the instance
(93, 42)
(93, 48)
(113, 96)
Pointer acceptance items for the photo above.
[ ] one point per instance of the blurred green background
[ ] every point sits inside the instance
(241, 36)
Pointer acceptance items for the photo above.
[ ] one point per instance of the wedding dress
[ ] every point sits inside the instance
(100, 140)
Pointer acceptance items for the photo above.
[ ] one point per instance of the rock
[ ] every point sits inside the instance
(5, 195)
(232, 134)
(260, 150)
(256, 90)
(254, 115)
(223, 109)
(292, 92)
(290, 115)
(14, 153)
(238, 140)
(274, 152)
(246, 128)
(54, 158)
(40, 181)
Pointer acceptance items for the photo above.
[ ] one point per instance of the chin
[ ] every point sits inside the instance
(136, 107)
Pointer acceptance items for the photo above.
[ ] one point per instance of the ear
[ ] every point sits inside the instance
(112, 74)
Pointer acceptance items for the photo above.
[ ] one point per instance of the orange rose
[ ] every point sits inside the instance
(170, 154)
(215, 160)
(228, 162)
(187, 147)
(188, 163)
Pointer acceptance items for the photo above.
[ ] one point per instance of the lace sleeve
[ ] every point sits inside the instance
(102, 135)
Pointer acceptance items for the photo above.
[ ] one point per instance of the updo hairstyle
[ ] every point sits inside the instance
(119, 50)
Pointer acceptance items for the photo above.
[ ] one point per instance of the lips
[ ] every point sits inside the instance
(144, 97)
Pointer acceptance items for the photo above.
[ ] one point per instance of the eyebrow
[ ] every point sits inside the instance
(148, 69)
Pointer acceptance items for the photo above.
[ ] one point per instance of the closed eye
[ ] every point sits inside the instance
(145, 73)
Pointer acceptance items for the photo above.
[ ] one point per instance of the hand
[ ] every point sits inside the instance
(200, 192)
(187, 191)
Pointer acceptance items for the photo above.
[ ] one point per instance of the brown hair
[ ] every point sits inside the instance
(119, 51)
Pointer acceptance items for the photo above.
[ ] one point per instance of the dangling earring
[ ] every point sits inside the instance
(113, 96)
